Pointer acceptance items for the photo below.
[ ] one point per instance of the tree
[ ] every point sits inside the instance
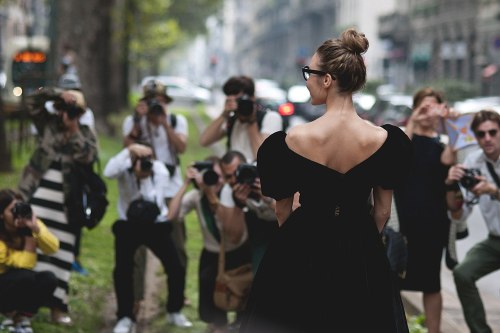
(110, 35)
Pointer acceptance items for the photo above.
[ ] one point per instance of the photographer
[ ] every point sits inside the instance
(214, 218)
(479, 174)
(245, 123)
(245, 193)
(142, 182)
(22, 290)
(62, 142)
(166, 133)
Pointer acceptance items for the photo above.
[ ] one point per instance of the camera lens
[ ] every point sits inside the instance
(246, 173)
(210, 177)
(146, 164)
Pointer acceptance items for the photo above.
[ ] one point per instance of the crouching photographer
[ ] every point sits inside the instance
(479, 178)
(142, 211)
(259, 210)
(22, 290)
(216, 218)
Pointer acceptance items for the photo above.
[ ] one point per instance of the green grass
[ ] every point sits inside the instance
(88, 293)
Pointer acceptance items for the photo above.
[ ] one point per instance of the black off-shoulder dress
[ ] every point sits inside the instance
(326, 270)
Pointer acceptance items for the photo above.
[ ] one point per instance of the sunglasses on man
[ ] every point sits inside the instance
(481, 134)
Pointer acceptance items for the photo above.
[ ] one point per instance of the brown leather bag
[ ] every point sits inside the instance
(232, 286)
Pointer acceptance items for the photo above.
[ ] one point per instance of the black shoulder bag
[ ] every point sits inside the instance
(87, 202)
(141, 210)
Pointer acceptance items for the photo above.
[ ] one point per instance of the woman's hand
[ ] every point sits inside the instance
(30, 223)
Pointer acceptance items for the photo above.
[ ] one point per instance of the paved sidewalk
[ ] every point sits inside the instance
(452, 318)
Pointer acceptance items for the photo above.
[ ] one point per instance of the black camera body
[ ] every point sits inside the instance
(469, 180)
(246, 173)
(72, 110)
(146, 164)
(206, 168)
(22, 210)
(245, 106)
(154, 107)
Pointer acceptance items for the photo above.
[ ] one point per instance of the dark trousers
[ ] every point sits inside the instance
(207, 274)
(24, 290)
(482, 259)
(128, 237)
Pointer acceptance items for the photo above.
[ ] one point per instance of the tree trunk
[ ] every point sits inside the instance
(85, 26)
(5, 160)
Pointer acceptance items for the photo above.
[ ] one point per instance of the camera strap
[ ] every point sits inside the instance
(493, 174)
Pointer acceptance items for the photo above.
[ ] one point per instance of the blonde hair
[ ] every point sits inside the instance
(342, 59)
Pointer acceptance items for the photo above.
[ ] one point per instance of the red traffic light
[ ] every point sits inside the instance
(286, 109)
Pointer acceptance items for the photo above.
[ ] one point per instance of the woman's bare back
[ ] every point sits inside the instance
(339, 145)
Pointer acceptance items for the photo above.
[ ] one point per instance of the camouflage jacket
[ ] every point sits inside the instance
(53, 144)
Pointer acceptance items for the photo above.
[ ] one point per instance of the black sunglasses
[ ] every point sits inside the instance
(306, 72)
(482, 134)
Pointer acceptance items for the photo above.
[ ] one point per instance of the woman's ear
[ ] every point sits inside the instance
(328, 80)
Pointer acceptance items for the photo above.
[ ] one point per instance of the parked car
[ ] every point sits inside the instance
(478, 104)
(363, 103)
(391, 109)
(181, 89)
(298, 108)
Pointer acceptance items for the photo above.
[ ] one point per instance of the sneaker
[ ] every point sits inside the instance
(178, 319)
(77, 267)
(24, 325)
(7, 326)
(124, 325)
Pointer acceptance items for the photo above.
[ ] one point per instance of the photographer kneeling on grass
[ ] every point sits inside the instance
(479, 176)
(22, 290)
(142, 182)
(246, 194)
(215, 218)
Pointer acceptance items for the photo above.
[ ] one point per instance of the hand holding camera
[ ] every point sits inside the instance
(137, 151)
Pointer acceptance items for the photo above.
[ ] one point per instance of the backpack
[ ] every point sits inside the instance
(88, 202)
(230, 123)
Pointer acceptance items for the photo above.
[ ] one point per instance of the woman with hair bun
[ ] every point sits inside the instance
(326, 270)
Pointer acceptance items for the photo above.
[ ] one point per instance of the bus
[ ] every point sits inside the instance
(25, 68)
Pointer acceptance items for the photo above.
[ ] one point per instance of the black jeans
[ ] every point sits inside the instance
(128, 237)
(24, 290)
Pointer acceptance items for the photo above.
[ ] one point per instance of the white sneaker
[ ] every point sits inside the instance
(124, 325)
(178, 319)
(24, 325)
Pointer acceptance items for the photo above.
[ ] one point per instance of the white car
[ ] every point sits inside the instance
(181, 89)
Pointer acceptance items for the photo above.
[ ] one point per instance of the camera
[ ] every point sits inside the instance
(155, 108)
(22, 210)
(469, 180)
(72, 110)
(246, 173)
(245, 106)
(206, 168)
(146, 164)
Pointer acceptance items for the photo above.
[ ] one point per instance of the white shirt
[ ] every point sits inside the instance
(192, 200)
(151, 188)
(240, 140)
(490, 208)
(157, 137)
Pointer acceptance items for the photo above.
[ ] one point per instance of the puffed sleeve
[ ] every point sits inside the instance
(275, 167)
(396, 161)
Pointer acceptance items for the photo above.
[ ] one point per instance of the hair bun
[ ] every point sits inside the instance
(355, 42)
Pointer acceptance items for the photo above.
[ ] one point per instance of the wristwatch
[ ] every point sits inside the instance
(496, 195)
